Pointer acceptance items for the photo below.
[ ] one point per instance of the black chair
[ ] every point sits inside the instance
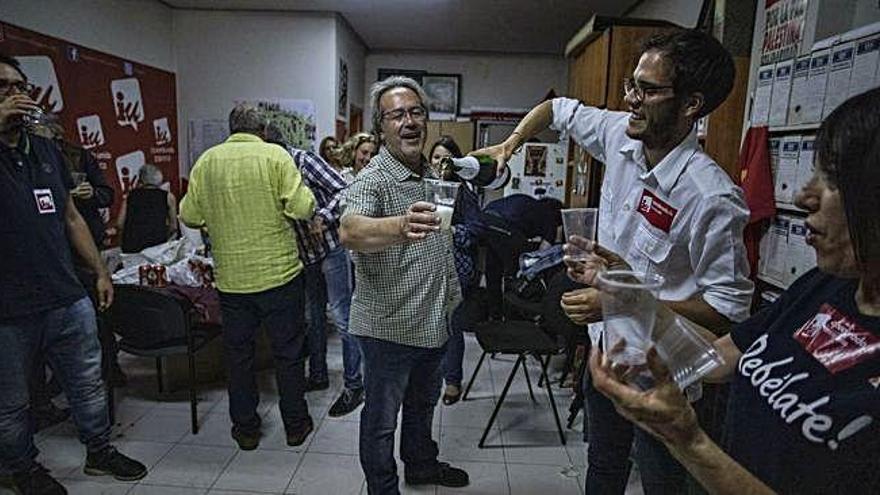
(152, 323)
(522, 334)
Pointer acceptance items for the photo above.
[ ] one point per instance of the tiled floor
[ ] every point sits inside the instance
(523, 454)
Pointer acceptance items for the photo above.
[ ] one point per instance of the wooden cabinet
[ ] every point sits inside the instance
(461, 132)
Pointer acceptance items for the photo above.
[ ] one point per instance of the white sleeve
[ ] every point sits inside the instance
(718, 255)
(586, 125)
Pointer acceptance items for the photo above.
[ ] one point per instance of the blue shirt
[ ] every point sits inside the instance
(35, 257)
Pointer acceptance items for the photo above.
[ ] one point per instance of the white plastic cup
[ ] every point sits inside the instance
(629, 309)
(442, 193)
(580, 222)
(78, 178)
(685, 352)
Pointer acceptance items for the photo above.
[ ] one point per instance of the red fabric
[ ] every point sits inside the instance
(756, 180)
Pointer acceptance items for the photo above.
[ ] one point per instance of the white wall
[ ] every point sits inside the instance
(487, 80)
(350, 48)
(227, 56)
(137, 30)
(682, 12)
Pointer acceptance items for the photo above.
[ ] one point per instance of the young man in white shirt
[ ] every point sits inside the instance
(667, 208)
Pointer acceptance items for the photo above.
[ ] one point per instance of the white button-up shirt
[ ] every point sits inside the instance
(682, 219)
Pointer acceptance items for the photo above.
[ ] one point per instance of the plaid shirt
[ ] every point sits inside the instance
(327, 185)
(405, 293)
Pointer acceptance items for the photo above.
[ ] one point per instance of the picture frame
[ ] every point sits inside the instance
(444, 91)
(342, 90)
(385, 73)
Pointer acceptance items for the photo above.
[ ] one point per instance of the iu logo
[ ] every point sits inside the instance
(646, 203)
(91, 135)
(162, 131)
(41, 72)
(127, 102)
(127, 168)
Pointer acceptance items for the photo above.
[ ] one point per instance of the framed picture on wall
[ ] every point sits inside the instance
(443, 92)
(416, 75)
(342, 106)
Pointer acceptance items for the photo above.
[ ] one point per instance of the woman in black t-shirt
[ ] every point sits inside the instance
(148, 214)
(804, 414)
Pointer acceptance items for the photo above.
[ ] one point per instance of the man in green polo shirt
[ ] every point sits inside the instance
(405, 291)
(245, 192)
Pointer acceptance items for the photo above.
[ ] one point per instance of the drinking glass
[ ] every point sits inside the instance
(442, 193)
(580, 222)
(629, 308)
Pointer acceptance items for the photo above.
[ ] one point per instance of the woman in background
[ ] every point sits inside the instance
(356, 154)
(148, 215)
(464, 241)
(327, 150)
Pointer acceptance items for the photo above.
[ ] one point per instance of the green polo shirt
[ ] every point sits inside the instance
(245, 192)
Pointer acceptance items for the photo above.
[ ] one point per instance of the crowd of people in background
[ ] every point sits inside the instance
(347, 232)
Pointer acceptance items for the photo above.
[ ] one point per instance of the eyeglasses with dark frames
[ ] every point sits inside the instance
(632, 87)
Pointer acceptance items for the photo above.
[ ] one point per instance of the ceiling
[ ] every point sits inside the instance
(505, 26)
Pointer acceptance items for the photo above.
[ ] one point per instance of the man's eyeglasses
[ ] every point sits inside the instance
(20, 86)
(418, 114)
(631, 87)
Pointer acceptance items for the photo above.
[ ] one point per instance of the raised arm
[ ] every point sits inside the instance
(538, 119)
(665, 413)
(367, 234)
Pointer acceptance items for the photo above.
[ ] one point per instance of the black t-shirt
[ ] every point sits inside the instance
(35, 258)
(804, 412)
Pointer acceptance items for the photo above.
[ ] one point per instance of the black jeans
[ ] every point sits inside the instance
(610, 441)
(395, 375)
(280, 311)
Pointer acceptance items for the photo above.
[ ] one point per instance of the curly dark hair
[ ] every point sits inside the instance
(700, 64)
(448, 143)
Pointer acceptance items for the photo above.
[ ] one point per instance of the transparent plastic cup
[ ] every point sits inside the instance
(442, 193)
(78, 178)
(580, 222)
(629, 309)
(37, 117)
(686, 353)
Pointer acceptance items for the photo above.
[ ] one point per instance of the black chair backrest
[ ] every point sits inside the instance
(146, 318)
(555, 319)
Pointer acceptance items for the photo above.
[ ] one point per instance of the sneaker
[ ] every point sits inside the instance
(112, 462)
(247, 439)
(347, 402)
(314, 385)
(443, 474)
(298, 437)
(36, 481)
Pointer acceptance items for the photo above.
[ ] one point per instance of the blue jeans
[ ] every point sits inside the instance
(611, 438)
(68, 338)
(280, 311)
(453, 359)
(330, 281)
(395, 375)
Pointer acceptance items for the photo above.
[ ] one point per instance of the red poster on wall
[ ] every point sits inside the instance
(123, 112)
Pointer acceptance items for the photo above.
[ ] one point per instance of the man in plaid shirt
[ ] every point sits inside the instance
(327, 276)
(406, 291)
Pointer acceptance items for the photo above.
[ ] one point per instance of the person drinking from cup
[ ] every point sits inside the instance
(804, 371)
(406, 289)
(667, 208)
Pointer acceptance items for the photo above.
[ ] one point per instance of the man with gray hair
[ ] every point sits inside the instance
(245, 192)
(405, 291)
